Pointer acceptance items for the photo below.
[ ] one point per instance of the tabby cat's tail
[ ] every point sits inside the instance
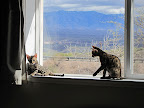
(56, 74)
(59, 75)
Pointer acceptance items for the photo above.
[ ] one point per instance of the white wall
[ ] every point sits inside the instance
(34, 28)
(30, 27)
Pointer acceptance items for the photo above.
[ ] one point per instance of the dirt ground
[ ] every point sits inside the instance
(83, 67)
(139, 68)
(74, 67)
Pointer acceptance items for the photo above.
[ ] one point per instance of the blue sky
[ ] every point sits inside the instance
(63, 13)
(62, 21)
(101, 6)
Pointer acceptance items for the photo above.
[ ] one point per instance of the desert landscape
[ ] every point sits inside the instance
(85, 67)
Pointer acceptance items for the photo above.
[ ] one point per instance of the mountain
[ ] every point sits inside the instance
(78, 22)
(81, 26)
(80, 19)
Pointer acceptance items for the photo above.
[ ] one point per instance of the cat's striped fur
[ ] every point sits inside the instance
(35, 69)
(109, 63)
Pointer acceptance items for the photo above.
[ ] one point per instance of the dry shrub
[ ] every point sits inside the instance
(74, 67)
(139, 68)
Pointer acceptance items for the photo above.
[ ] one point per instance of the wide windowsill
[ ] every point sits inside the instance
(87, 80)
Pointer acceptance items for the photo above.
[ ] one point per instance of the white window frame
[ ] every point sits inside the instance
(129, 41)
(39, 30)
(128, 37)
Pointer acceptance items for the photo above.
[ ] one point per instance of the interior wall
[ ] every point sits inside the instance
(30, 27)
(44, 95)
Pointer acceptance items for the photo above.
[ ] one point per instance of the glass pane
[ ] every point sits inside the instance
(139, 37)
(71, 27)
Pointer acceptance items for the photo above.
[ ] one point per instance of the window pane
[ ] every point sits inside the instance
(71, 27)
(139, 37)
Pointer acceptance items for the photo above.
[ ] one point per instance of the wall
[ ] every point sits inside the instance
(53, 95)
(34, 28)
(30, 26)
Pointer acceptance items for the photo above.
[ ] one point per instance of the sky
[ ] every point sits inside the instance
(101, 6)
(106, 7)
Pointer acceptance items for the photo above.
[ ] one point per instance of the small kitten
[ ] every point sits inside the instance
(109, 63)
(35, 69)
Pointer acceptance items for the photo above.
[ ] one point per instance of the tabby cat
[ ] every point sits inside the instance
(109, 63)
(35, 69)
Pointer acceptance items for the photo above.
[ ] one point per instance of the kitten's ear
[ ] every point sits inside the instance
(94, 47)
(35, 55)
(28, 57)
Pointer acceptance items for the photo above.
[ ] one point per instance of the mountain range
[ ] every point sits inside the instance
(84, 26)
(72, 23)
(81, 19)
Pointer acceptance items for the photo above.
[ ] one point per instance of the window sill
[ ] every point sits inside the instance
(86, 80)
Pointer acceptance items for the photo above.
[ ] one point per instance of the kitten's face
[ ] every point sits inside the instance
(32, 59)
(94, 51)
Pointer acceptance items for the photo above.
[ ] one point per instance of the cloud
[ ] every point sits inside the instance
(69, 5)
(115, 11)
(101, 6)
(101, 9)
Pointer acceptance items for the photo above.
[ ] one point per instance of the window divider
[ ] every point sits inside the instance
(39, 30)
(128, 56)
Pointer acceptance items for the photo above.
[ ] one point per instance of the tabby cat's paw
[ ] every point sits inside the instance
(94, 74)
(102, 77)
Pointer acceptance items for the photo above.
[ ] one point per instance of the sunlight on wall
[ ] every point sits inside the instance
(30, 42)
(30, 27)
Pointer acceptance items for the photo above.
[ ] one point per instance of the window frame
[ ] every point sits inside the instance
(129, 41)
(128, 37)
(39, 30)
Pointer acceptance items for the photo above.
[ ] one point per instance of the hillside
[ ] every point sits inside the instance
(80, 20)
(65, 27)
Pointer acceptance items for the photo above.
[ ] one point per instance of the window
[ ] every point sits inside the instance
(70, 28)
(134, 39)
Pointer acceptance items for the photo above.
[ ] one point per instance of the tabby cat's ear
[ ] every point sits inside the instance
(28, 57)
(35, 55)
(94, 47)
